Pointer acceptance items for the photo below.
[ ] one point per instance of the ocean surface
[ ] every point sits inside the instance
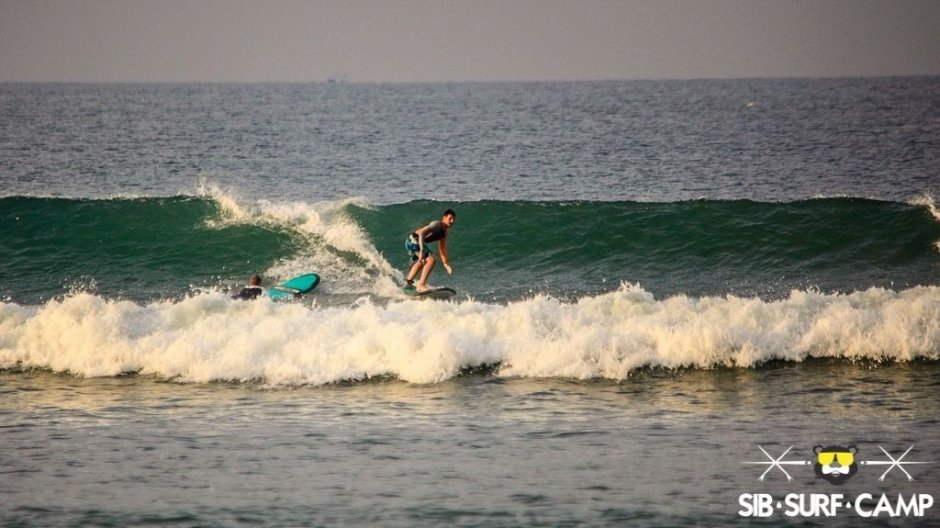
(663, 286)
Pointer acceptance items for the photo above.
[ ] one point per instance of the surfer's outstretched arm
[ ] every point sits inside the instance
(442, 246)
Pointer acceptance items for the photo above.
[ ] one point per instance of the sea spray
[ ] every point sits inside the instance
(927, 200)
(329, 239)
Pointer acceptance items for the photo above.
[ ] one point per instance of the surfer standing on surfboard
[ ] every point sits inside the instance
(417, 247)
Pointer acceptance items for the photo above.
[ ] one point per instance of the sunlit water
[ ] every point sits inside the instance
(658, 449)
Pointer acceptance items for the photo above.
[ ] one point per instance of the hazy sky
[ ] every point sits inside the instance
(457, 40)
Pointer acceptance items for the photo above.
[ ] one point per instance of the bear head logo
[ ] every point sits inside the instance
(835, 463)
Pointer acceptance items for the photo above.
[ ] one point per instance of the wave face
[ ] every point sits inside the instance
(699, 247)
(147, 249)
(139, 248)
(150, 249)
(579, 289)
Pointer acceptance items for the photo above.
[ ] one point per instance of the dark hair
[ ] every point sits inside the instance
(450, 212)
(254, 280)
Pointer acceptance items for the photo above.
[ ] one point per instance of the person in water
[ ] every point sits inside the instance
(417, 247)
(252, 291)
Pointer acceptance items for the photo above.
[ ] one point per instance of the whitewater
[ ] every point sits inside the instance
(208, 337)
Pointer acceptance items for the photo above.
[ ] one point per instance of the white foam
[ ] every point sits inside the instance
(331, 240)
(926, 200)
(209, 337)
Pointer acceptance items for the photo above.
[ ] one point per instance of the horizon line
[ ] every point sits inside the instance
(343, 81)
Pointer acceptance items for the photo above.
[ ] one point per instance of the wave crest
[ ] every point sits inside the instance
(330, 238)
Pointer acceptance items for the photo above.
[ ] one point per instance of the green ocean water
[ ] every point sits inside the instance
(142, 249)
(698, 247)
(149, 249)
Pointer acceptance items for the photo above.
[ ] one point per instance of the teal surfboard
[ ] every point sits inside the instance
(295, 287)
